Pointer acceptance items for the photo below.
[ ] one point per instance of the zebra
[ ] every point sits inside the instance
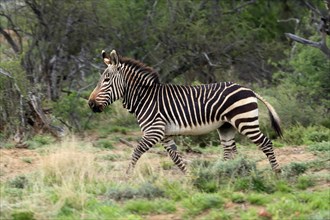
(166, 110)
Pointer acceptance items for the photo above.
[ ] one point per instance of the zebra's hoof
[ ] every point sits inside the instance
(129, 170)
(278, 170)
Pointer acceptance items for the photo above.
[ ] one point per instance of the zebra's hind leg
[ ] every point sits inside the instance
(171, 149)
(265, 144)
(227, 137)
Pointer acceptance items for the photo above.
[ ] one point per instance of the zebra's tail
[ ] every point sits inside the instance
(275, 120)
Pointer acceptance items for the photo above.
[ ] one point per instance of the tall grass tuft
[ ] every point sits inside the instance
(208, 175)
(62, 182)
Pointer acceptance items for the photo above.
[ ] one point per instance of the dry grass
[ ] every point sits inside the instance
(71, 180)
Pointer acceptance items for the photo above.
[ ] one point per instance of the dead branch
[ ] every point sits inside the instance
(41, 122)
(209, 61)
(126, 142)
(320, 45)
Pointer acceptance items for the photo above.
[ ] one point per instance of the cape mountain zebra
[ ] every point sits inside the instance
(165, 110)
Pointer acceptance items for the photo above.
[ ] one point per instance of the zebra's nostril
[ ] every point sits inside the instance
(95, 106)
(91, 103)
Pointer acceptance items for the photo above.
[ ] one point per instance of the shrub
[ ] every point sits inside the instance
(25, 215)
(260, 184)
(175, 190)
(40, 141)
(320, 147)
(145, 190)
(210, 175)
(304, 182)
(73, 110)
(306, 135)
(233, 168)
(103, 143)
(294, 169)
(19, 182)
(167, 165)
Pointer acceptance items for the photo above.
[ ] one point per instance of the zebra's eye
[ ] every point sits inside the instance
(106, 80)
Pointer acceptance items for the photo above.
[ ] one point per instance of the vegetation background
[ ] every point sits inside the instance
(61, 161)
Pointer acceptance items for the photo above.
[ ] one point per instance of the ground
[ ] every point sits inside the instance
(57, 158)
(21, 161)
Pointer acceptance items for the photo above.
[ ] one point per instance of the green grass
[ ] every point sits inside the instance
(75, 180)
(142, 206)
(199, 202)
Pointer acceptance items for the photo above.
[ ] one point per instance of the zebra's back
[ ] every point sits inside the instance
(194, 110)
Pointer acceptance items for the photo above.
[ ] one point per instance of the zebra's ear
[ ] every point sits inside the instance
(114, 57)
(106, 58)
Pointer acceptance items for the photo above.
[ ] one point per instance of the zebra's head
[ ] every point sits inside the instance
(110, 86)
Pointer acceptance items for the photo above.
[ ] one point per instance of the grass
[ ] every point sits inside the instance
(74, 179)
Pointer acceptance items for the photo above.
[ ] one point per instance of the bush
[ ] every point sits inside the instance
(175, 190)
(104, 144)
(294, 169)
(299, 135)
(23, 215)
(19, 182)
(233, 168)
(145, 190)
(74, 111)
(210, 175)
(320, 147)
(304, 182)
(40, 141)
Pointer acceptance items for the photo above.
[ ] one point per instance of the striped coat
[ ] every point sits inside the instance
(166, 110)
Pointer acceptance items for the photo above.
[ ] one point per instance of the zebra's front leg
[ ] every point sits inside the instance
(171, 149)
(149, 139)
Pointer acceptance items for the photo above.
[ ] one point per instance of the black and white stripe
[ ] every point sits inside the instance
(165, 110)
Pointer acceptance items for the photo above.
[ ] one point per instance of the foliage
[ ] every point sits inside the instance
(209, 41)
(294, 169)
(145, 190)
(320, 147)
(40, 141)
(148, 206)
(73, 111)
(102, 143)
(23, 216)
(19, 182)
(202, 201)
(306, 135)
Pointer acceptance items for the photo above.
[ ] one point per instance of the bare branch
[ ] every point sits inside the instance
(320, 45)
(4, 72)
(312, 8)
(289, 19)
(10, 40)
(209, 61)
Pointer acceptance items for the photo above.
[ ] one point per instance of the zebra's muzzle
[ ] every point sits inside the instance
(94, 106)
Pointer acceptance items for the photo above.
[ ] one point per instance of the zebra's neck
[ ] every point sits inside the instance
(140, 80)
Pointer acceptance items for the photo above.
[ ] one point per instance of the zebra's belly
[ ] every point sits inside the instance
(173, 129)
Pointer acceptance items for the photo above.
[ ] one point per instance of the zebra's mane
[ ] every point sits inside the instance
(140, 68)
